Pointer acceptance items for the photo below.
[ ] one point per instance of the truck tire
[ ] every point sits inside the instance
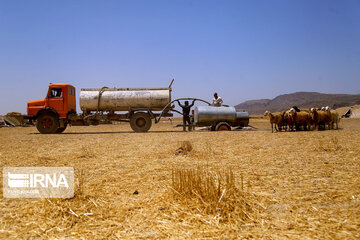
(222, 126)
(140, 122)
(61, 129)
(47, 123)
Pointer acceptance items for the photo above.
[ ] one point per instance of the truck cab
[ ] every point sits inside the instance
(51, 112)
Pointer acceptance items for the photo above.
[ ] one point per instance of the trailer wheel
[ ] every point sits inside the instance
(140, 122)
(47, 123)
(222, 126)
(61, 129)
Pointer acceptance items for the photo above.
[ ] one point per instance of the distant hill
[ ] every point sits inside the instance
(300, 99)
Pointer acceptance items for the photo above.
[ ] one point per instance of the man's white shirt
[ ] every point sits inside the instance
(217, 101)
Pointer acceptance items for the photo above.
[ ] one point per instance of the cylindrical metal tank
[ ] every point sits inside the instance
(242, 115)
(124, 99)
(211, 115)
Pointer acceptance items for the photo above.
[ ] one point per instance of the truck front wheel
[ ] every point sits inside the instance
(47, 123)
(140, 122)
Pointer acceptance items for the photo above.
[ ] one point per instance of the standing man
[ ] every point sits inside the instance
(217, 101)
(186, 111)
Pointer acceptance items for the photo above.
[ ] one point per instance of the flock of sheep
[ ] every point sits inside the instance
(304, 119)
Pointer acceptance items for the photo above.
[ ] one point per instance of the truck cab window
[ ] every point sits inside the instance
(71, 91)
(55, 92)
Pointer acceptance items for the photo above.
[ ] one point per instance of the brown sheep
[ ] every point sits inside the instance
(284, 123)
(302, 118)
(334, 119)
(320, 118)
(288, 122)
(275, 118)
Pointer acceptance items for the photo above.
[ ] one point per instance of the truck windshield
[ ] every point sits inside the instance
(55, 92)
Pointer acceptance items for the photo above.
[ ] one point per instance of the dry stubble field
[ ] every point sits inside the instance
(297, 185)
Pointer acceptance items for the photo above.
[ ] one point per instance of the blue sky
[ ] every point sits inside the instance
(241, 49)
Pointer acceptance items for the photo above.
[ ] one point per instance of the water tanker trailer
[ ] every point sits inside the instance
(220, 118)
(217, 118)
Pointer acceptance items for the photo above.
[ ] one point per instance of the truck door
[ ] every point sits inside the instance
(56, 99)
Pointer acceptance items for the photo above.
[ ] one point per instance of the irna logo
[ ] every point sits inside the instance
(38, 182)
(16, 180)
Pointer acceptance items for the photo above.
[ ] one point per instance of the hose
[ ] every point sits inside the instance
(99, 96)
(167, 105)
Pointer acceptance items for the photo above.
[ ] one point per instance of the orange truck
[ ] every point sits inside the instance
(138, 106)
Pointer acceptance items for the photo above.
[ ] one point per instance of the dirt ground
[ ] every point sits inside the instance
(300, 185)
